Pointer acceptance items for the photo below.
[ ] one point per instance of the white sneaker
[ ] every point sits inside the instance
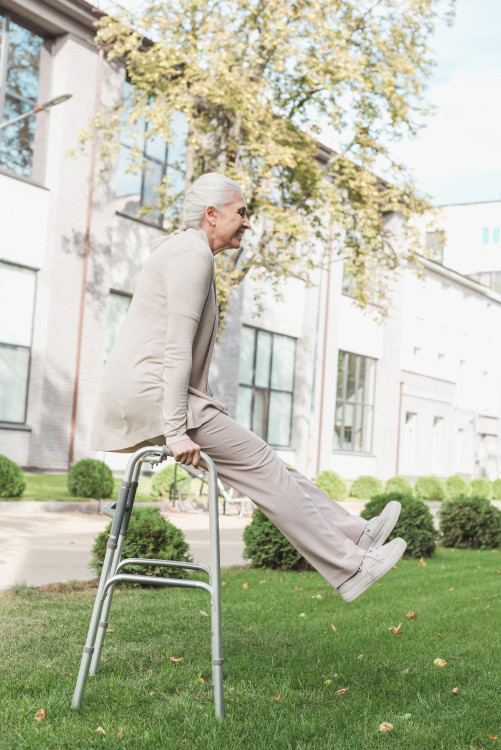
(376, 563)
(379, 528)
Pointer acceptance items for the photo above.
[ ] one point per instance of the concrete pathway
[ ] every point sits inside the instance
(47, 542)
(39, 547)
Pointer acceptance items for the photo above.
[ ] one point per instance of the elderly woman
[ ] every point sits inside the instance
(155, 390)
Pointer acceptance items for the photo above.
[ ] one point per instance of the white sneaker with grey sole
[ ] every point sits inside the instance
(379, 528)
(376, 563)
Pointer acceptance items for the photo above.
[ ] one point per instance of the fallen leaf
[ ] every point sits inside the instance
(334, 628)
(175, 660)
(341, 692)
(440, 663)
(411, 616)
(421, 562)
(262, 581)
(395, 567)
(276, 697)
(40, 715)
(121, 733)
(143, 721)
(455, 691)
(492, 737)
(327, 682)
(396, 630)
(458, 658)
(439, 635)
(245, 585)
(303, 614)
(152, 692)
(110, 630)
(405, 671)
(317, 596)
(100, 730)
(224, 583)
(452, 589)
(49, 666)
(204, 614)
(201, 679)
(385, 726)
(296, 588)
(488, 606)
(360, 656)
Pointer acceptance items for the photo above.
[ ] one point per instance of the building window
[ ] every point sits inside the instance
(485, 236)
(495, 235)
(20, 57)
(409, 442)
(356, 379)
(437, 441)
(160, 163)
(118, 304)
(266, 384)
(17, 301)
(435, 243)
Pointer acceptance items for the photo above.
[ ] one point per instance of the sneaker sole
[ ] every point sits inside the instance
(394, 508)
(352, 591)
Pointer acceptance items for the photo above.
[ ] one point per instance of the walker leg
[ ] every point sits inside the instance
(103, 622)
(98, 604)
(217, 654)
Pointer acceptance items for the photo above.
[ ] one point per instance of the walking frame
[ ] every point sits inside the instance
(120, 512)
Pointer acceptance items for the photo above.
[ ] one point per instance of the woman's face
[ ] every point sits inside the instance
(227, 226)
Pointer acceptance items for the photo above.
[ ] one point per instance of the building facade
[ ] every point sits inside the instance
(327, 385)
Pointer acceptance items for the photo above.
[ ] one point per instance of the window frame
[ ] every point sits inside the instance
(6, 422)
(269, 389)
(43, 78)
(355, 404)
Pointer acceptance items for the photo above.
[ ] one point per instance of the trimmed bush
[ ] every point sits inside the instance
(398, 484)
(415, 524)
(84, 479)
(470, 523)
(149, 535)
(481, 488)
(163, 480)
(266, 546)
(12, 481)
(455, 486)
(366, 487)
(332, 484)
(429, 488)
(496, 489)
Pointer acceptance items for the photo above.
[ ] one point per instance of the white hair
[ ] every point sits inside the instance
(211, 189)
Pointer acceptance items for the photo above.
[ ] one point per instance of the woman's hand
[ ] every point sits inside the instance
(186, 452)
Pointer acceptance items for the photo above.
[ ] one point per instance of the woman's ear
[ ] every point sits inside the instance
(210, 215)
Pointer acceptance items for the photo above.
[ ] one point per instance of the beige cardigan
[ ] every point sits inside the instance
(155, 381)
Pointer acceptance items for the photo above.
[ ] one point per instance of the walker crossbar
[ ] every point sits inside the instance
(120, 512)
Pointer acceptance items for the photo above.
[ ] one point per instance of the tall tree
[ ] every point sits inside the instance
(258, 82)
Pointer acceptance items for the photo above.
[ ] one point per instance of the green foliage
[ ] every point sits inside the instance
(12, 481)
(149, 535)
(429, 488)
(496, 489)
(455, 486)
(332, 484)
(251, 78)
(266, 546)
(398, 484)
(163, 480)
(470, 523)
(415, 523)
(481, 488)
(84, 479)
(365, 487)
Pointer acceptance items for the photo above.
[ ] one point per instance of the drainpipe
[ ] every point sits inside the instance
(90, 196)
(322, 382)
(399, 425)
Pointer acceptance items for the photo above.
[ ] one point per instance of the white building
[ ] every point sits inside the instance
(321, 381)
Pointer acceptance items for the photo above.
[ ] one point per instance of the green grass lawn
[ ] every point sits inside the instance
(53, 487)
(284, 663)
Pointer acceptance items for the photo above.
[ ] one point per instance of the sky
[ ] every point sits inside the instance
(457, 156)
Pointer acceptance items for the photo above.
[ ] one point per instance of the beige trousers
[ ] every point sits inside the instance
(321, 529)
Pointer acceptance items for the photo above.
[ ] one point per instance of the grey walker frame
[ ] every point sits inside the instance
(120, 513)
